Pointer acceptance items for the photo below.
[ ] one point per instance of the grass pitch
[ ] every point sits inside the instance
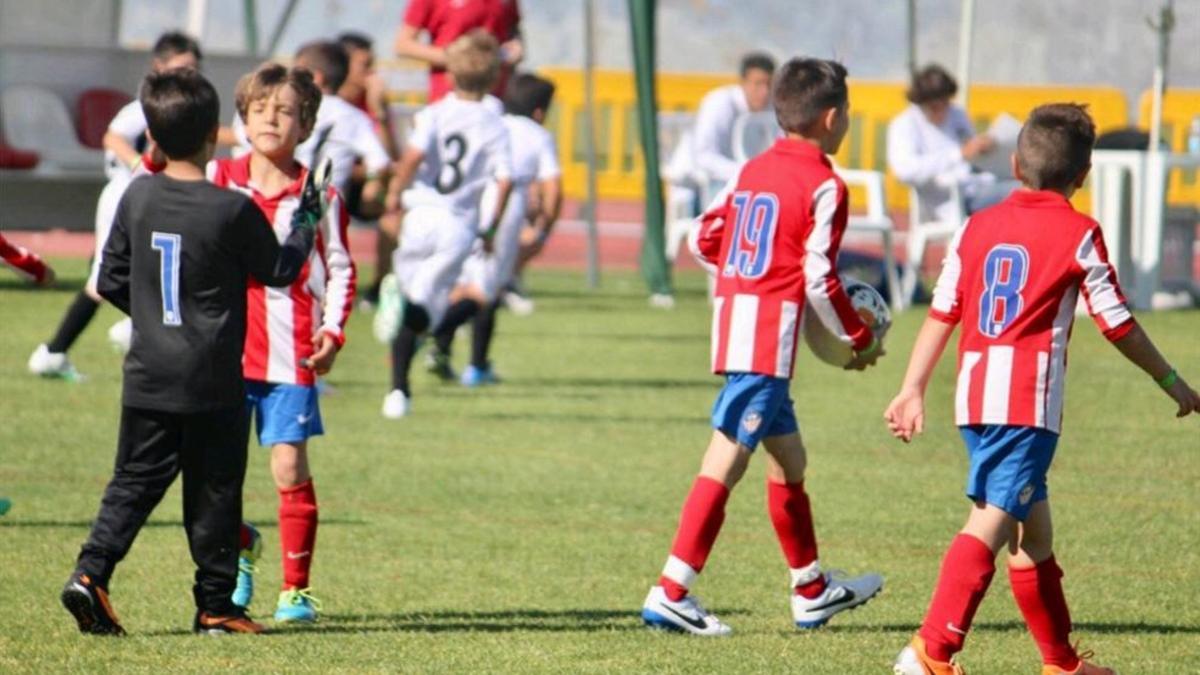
(517, 528)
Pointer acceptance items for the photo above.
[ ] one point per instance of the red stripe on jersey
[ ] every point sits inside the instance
(254, 356)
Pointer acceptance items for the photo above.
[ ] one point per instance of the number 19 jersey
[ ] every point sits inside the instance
(465, 143)
(1012, 277)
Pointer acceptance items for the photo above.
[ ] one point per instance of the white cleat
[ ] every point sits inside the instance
(685, 616)
(840, 594)
(46, 363)
(389, 313)
(518, 304)
(395, 405)
(120, 335)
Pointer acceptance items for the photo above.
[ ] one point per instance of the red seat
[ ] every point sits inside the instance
(93, 112)
(12, 158)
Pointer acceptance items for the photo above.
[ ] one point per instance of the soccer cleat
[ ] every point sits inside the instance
(438, 363)
(297, 605)
(840, 594)
(1084, 668)
(685, 616)
(243, 594)
(518, 304)
(389, 313)
(913, 660)
(474, 376)
(207, 623)
(395, 405)
(46, 363)
(120, 335)
(89, 604)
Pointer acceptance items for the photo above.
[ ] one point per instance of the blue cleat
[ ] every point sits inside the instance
(243, 594)
(474, 376)
(297, 605)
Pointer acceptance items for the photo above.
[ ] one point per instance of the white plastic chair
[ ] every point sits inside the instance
(36, 119)
(926, 226)
(878, 221)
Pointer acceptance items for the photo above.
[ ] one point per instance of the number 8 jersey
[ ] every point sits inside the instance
(1012, 277)
(465, 143)
(771, 237)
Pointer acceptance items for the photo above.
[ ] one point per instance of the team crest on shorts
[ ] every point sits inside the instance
(752, 421)
(1026, 494)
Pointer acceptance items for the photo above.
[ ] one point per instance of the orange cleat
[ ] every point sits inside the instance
(1084, 668)
(238, 622)
(914, 661)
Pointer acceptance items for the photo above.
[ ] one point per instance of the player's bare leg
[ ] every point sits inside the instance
(297, 530)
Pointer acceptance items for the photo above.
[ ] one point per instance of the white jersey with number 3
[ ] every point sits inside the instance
(465, 144)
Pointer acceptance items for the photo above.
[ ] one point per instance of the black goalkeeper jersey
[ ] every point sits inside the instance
(176, 261)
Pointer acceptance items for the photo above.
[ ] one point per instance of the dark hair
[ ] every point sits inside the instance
(174, 42)
(352, 40)
(327, 58)
(931, 83)
(526, 93)
(182, 110)
(264, 80)
(804, 89)
(757, 61)
(1055, 145)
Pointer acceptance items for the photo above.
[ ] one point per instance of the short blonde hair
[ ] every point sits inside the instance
(474, 61)
(268, 77)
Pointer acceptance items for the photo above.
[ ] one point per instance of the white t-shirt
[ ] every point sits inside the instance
(465, 145)
(712, 140)
(534, 154)
(130, 124)
(929, 157)
(342, 133)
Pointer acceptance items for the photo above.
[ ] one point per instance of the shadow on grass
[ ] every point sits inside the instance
(1113, 628)
(618, 383)
(500, 621)
(87, 524)
(576, 418)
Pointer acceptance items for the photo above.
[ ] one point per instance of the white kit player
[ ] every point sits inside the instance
(457, 146)
(486, 275)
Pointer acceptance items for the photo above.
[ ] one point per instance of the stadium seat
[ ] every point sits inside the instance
(877, 220)
(36, 118)
(93, 112)
(12, 158)
(925, 227)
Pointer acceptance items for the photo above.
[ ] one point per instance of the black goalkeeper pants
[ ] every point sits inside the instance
(154, 447)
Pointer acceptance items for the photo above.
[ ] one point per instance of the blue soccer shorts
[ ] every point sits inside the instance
(285, 413)
(1008, 465)
(752, 407)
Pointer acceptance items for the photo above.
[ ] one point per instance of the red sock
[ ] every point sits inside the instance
(1039, 594)
(792, 517)
(245, 538)
(966, 573)
(703, 513)
(297, 532)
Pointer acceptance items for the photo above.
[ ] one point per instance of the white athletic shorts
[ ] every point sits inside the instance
(106, 211)
(434, 243)
(492, 272)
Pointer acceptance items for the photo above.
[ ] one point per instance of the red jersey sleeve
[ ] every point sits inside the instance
(705, 242)
(823, 288)
(1101, 291)
(418, 14)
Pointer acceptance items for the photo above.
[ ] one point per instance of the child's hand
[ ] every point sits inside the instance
(1185, 396)
(321, 362)
(866, 358)
(905, 415)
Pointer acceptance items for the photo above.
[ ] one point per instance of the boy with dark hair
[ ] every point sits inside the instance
(485, 275)
(177, 262)
(124, 147)
(771, 237)
(1012, 278)
(293, 334)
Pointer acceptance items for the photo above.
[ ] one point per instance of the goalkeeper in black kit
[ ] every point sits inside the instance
(177, 261)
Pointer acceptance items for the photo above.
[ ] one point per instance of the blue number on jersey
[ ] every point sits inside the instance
(754, 221)
(1005, 270)
(169, 248)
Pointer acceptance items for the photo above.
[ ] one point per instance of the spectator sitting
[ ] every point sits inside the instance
(712, 144)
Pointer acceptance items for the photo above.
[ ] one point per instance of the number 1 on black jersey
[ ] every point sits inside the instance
(169, 247)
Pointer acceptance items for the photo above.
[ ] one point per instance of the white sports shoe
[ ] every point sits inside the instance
(840, 594)
(395, 405)
(46, 363)
(389, 313)
(518, 304)
(686, 616)
(120, 335)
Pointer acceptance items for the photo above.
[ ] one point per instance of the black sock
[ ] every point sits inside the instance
(77, 318)
(404, 347)
(458, 314)
(481, 335)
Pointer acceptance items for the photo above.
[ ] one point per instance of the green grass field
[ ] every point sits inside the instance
(517, 528)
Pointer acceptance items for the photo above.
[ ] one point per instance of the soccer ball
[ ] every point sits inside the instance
(870, 306)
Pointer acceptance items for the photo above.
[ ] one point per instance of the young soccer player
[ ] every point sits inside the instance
(485, 276)
(771, 237)
(124, 146)
(177, 262)
(1011, 278)
(459, 144)
(293, 334)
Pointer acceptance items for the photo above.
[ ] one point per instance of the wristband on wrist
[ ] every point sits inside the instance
(1170, 380)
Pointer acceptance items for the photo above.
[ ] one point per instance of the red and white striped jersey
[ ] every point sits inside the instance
(771, 237)
(281, 322)
(1012, 277)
